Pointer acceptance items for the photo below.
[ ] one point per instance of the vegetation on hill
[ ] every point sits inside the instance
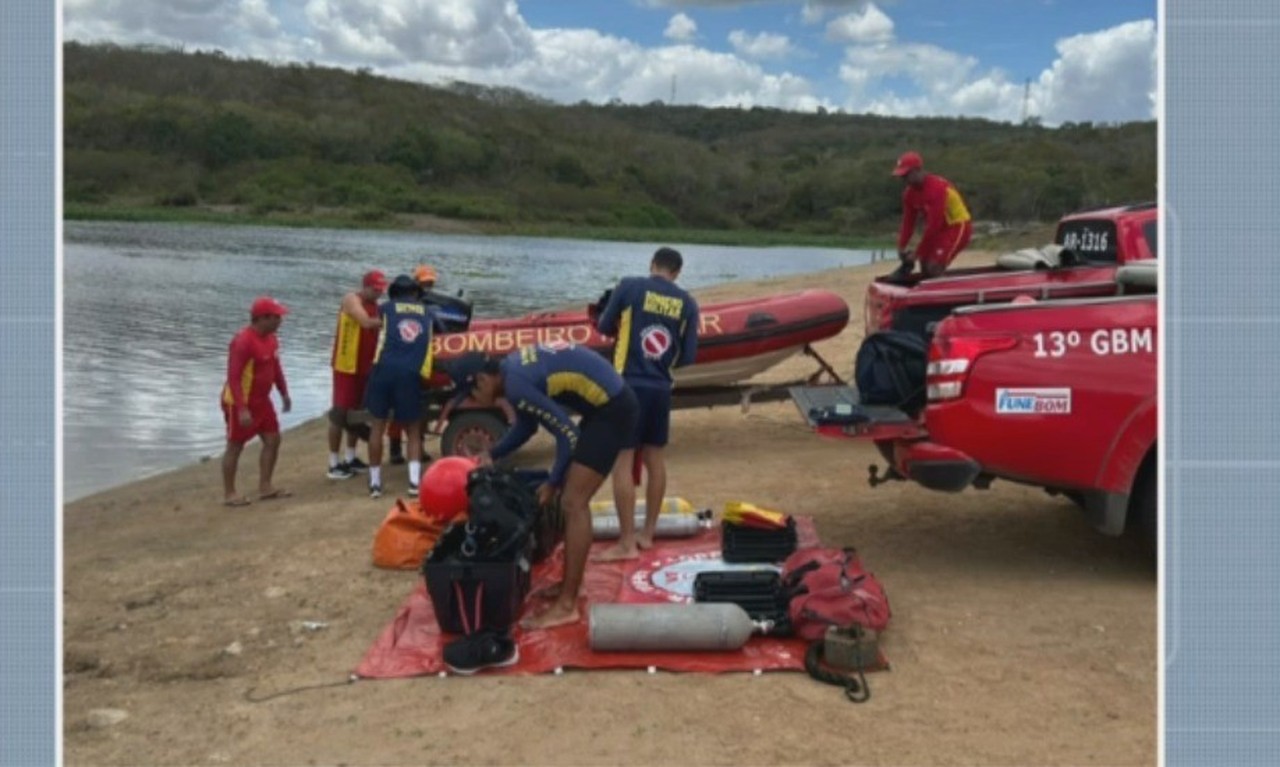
(160, 133)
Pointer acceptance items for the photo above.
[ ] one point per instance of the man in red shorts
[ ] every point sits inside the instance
(947, 223)
(253, 370)
(354, 343)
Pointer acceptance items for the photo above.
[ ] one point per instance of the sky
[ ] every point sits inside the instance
(1084, 60)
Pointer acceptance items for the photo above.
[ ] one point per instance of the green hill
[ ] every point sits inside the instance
(157, 133)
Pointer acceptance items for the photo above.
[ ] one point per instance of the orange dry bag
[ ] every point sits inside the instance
(405, 536)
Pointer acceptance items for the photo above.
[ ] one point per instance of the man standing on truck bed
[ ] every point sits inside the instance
(656, 325)
(947, 223)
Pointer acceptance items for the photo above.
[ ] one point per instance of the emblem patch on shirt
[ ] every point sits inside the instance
(655, 341)
(409, 330)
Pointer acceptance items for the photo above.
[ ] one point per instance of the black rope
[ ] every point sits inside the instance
(248, 694)
(856, 690)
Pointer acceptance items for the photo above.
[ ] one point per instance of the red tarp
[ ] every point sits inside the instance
(413, 644)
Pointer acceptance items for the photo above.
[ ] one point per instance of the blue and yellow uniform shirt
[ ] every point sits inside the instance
(540, 382)
(655, 323)
(404, 342)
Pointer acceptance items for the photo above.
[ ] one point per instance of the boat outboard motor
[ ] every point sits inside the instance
(453, 311)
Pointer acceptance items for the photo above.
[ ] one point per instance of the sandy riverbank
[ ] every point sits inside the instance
(1019, 635)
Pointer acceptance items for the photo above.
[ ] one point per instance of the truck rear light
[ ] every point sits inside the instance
(945, 390)
(947, 367)
(952, 358)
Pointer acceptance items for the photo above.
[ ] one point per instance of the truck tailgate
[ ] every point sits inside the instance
(871, 422)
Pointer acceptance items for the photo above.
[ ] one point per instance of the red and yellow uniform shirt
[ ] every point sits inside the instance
(354, 346)
(253, 368)
(940, 204)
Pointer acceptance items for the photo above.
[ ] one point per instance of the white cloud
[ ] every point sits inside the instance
(1101, 77)
(765, 45)
(866, 25)
(681, 28)
(1106, 76)
(460, 32)
(581, 64)
(928, 66)
(235, 24)
(814, 11)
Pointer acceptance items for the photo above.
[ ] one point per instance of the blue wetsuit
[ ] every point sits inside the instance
(540, 382)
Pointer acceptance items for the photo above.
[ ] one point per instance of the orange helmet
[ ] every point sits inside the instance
(424, 274)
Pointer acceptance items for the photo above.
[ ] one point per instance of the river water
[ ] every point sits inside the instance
(149, 310)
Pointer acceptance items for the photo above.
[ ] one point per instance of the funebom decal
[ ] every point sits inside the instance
(1033, 401)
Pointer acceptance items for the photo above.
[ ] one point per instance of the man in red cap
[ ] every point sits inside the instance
(947, 223)
(253, 370)
(354, 343)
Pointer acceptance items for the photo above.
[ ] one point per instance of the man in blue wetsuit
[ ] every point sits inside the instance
(540, 382)
(656, 326)
(402, 360)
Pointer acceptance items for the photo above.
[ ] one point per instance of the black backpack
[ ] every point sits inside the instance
(503, 513)
(890, 369)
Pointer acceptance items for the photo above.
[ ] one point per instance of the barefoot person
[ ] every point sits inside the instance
(539, 382)
(253, 370)
(656, 324)
(354, 343)
(401, 363)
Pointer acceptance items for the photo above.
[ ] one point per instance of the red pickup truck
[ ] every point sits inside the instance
(1087, 249)
(1059, 394)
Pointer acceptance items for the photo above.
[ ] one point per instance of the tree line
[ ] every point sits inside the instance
(166, 128)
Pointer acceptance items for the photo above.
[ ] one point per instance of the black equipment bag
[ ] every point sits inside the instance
(890, 369)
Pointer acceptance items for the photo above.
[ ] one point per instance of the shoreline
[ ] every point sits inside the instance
(728, 289)
(176, 607)
(717, 288)
(226, 215)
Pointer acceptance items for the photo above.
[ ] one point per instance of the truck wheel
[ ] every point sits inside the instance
(471, 432)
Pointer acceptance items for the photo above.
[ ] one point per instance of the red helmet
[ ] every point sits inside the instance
(443, 492)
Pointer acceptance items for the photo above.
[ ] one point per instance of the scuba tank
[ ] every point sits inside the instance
(677, 519)
(709, 626)
(669, 506)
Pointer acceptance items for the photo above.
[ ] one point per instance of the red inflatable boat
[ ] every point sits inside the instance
(736, 340)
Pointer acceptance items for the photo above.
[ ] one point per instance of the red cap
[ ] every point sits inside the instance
(264, 305)
(908, 162)
(375, 279)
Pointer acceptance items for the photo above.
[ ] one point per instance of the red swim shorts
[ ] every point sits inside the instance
(264, 421)
(348, 390)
